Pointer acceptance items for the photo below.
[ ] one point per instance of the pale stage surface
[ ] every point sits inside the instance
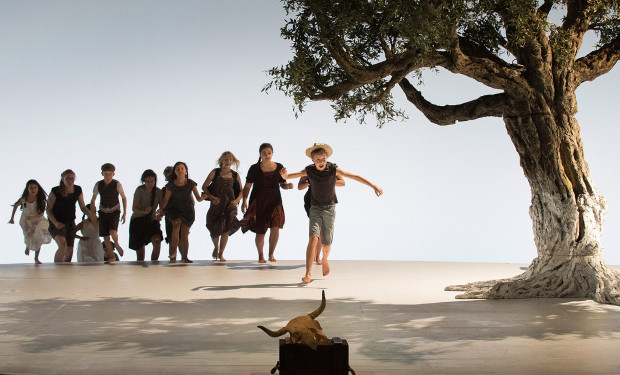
(201, 318)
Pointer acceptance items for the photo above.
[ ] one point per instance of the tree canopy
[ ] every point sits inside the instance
(355, 52)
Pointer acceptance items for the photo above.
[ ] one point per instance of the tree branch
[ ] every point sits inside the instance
(484, 106)
(545, 8)
(576, 23)
(476, 62)
(398, 66)
(597, 63)
(366, 73)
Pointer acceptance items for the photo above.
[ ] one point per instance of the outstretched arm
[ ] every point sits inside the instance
(17, 204)
(162, 206)
(85, 210)
(237, 199)
(94, 198)
(285, 175)
(245, 194)
(205, 188)
(124, 199)
(378, 190)
(51, 199)
(303, 183)
(198, 196)
(340, 181)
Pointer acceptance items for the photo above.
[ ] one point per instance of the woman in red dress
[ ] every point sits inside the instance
(265, 209)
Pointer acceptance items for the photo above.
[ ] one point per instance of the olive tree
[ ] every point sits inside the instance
(355, 52)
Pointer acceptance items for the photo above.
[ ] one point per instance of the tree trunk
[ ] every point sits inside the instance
(567, 214)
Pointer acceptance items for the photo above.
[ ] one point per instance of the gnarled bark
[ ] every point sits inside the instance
(567, 214)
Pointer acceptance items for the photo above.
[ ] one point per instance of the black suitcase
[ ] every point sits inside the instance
(299, 359)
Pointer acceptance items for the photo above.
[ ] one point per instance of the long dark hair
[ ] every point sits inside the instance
(173, 174)
(146, 174)
(263, 146)
(41, 196)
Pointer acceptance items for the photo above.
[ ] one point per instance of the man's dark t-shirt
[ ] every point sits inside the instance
(322, 184)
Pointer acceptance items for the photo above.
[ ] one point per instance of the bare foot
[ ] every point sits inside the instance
(186, 260)
(118, 247)
(325, 267)
(272, 259)
(318, 261)
(27, 251)
(262, 260)
(36, 261)
(173, 256)
(221, 257)
(214, 254)
(306, 279)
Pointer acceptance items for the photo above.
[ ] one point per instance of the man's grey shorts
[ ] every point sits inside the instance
(322, 222)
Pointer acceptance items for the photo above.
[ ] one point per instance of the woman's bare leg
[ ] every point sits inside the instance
(326, 250)
(68, 254)
(317, 251)
(310, 257)
(114, 235)
(216, 247)
(156, 241)
(260, 242)
(109, 248)
(36, 257)
(140, 254)
(274, 234)
(61, 241)
(174, 240)
(184, 243)
(223, 242)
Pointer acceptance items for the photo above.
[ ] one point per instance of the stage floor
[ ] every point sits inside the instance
(201, 318)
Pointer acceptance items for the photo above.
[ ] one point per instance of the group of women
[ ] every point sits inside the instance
(262, 208)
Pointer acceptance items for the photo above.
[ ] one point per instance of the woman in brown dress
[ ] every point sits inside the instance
(178, 207)
(223, 189)
(265, 209)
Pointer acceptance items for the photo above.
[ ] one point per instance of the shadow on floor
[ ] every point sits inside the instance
(380, 332)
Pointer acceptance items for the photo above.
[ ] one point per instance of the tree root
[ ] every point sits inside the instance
(576, 277)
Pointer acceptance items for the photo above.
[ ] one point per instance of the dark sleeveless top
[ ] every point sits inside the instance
(108, 194)
(322, 184)
(64, 207)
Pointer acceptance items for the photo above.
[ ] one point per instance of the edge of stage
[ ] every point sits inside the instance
(201, 318)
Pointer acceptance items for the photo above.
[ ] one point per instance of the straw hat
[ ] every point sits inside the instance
(317, 146)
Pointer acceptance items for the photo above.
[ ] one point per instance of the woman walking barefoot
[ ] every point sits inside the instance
(223, 188)
(265, 209)
(34, 225)
(61, 214)
(144, 227)
(178, 207)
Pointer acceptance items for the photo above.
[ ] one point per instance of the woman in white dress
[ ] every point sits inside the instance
(34, 225)
(90, 248)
